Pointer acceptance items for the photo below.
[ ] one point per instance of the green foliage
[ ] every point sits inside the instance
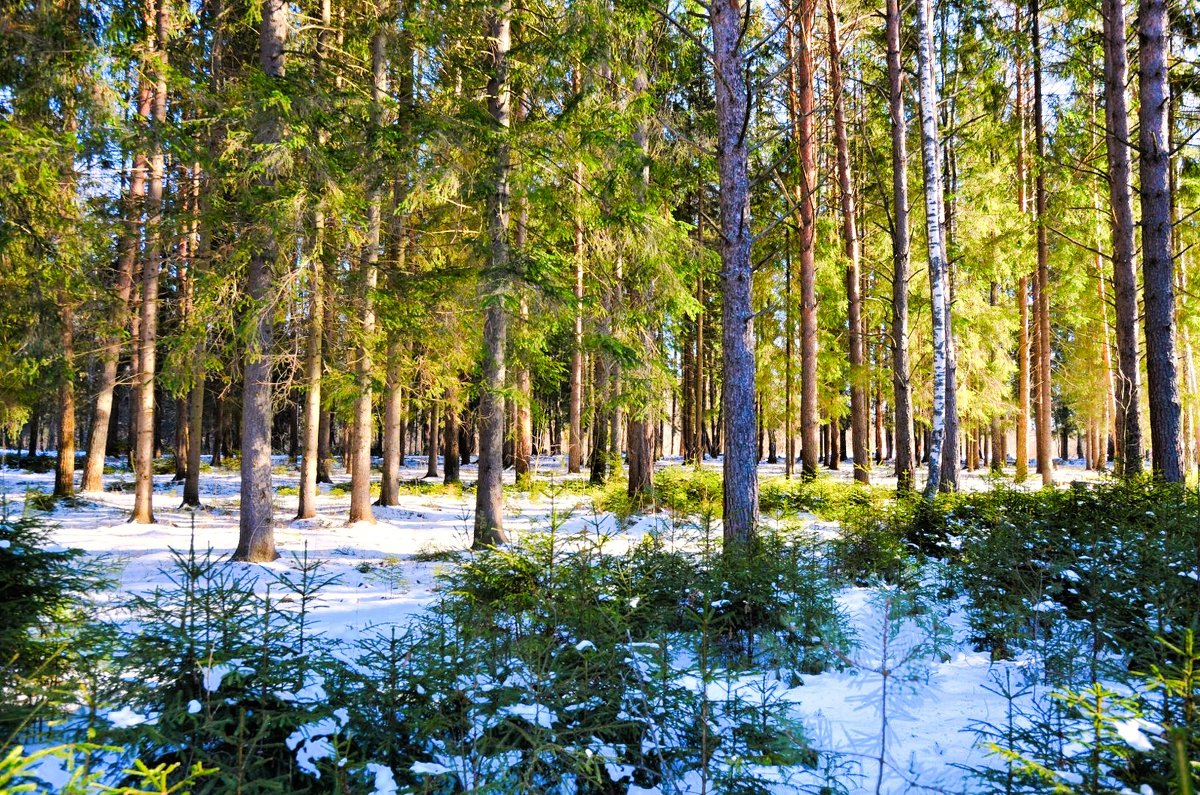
(1117, 558)
(829, 499)
(44, 592)
(1096, 739)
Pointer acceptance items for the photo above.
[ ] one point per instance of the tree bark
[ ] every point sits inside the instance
(737, 341)
(143, 499)
(1042, 310)
(802, 108)
(1158, 272)
(901, 383)
(364, 425)
(93, 467)
(859, 403)
(1120, 194)
(64, 470)
(932, 169)
(575, 427)
(256, 531)
(489, 493)
(450, 458)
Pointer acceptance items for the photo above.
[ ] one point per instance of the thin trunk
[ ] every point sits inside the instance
(1158, 265)
(901, 383)
(364, 425)
(996, 464)
(737, 343)
(143, 511)
(1042, 310)
(1023, 375)
(802, 110)
(450, 457)
(575, 442)
(1128, 440)
(489, 494)
(93, 467)
(432, 439)
(314, 361)
(641, 430)
(860, 421)
(256, 531)
(64, 471)
(931, 167)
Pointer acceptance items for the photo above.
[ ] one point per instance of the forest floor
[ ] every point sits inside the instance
(387, 572)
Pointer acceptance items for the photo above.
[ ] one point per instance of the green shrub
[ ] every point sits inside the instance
(1117, 559)
(36, 500)
(44, 591)
(827, 498)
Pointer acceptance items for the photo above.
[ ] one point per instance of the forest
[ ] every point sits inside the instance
(597, 396)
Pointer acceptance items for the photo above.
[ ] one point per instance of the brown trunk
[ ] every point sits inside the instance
(64, 471)
(489, 494)
(143, 512)
(859, 404)
(901, 383)
(1128, 439)
(1158, 267)
(801, 108)
(450, 459)
(737, 342)
(575, 441)
(1044, 454)
(256, 531)
(93, 467)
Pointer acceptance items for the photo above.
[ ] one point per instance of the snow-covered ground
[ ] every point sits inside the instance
(927, 720)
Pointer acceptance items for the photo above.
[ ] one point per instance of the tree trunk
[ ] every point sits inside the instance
(450, 458)
(1120, 195)
(932, 169)
(364, 425)
(641, 429)
(737, 341)
(901, 383)
(575, 429)
(801, 109)
(256, 531)
(93, 467)
(314, 359)
(393, 430)
(859, 404)
(1158, 272)
(143, 499)
(1042, 310)
(64, 471)
(489, 494)
(432, 440)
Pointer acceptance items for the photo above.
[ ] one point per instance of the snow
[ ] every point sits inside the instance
(386, 575)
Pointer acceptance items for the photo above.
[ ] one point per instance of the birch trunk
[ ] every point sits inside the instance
(932, 170)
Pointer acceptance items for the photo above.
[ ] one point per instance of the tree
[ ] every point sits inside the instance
(256, 531)
(1158, 263)
(901, 384)
(1116, 138)
(859, 403)
(1042, 284)
(932, 170)
(489, 494)
(737, 340)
